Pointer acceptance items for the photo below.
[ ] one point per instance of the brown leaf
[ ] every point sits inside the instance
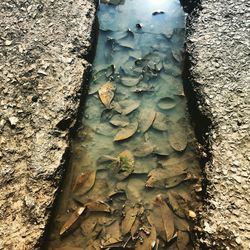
(126, 132)
(106, 93)
(144, 149)
(72, 219)
(93, 245)
(119, 120)
(146, 119)
(129, 81)
(126, 107)
(181, 224)
(178, 136)
(84, 182)
(162, 218)
(182, 240)
(98, 206)
(135, 228)
(129, 219)
(176, 207)
(166, 103)
(69, 248)
(111, 235)
(162, 178)
(149, 241)
(160, 122)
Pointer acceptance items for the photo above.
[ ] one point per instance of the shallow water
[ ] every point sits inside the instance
(135, 148)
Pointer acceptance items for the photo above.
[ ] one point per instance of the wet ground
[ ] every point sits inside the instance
(33, 144)
(133, 158)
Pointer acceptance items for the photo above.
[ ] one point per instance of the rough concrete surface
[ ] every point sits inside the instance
(218, 49)
(43, 45)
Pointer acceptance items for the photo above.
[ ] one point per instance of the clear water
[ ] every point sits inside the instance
(151, 177)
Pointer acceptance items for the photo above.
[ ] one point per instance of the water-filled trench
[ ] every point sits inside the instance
(134, 175)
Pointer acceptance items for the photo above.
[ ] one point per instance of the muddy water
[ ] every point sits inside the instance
(134, 174)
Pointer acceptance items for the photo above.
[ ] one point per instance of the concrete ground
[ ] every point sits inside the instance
(44, 54)
(44, 48)
(218, 47)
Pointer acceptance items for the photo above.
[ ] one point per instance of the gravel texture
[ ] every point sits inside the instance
(218, 49)
(44, 53)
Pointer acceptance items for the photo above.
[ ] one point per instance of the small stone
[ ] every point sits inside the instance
(8, 42)
(238, 241)
(13, 120)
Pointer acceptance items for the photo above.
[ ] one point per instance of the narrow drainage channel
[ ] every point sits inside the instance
(134, 175)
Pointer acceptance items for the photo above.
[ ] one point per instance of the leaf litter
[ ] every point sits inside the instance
(139, 194)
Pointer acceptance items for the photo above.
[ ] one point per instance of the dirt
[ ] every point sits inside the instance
(218, 55)
(44, 54)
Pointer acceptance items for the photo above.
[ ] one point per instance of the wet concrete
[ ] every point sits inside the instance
(217, 46)
(44, 54)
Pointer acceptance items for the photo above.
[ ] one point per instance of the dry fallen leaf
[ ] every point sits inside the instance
(106, 93)
(126, 132)
(72, 219)
(146, 119)
(84, 182)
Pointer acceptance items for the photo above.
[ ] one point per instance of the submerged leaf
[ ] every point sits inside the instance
(178, 136)
(119, 120)
(98, 206)
(129, 81)
(160, 122)
(177, 55)
(111, 235)
(127, 106)
(148, 241)
(144, 149)
(106, 93)
(166, 103)
(69, 248)
(84, 182)
(146, 119)
(163, 178)
(72, 219)
(182, 240)
(181, 224)
(129, 219)
(126, 132)
(176, 207)
(162, 218)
